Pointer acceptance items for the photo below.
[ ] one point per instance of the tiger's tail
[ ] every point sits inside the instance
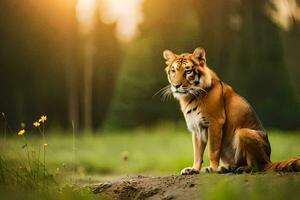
(290, 165)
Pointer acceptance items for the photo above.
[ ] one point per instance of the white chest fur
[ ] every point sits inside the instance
(197, 124)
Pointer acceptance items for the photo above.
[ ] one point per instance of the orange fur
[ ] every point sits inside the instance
(290, 165)
(220, 117)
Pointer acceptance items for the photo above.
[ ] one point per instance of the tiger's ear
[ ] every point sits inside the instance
(199, 54)
(168, 55)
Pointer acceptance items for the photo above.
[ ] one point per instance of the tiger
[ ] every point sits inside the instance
(217, 115)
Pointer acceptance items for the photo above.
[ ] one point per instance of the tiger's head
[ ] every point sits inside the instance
(187, 73)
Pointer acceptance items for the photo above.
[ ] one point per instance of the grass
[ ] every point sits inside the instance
(65, 193)
(268, 186)
(156, 151)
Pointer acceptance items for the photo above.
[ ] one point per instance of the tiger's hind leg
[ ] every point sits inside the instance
(227, 160)
(252, 149)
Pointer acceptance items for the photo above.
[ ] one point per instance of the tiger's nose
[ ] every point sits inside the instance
(177, 85)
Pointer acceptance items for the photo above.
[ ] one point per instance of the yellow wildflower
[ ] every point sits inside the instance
(21, 132)
(36, 124)
(45, 145)
(43, 118)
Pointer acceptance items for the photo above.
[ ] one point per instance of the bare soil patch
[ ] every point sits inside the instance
(141, 187)
(196, 186)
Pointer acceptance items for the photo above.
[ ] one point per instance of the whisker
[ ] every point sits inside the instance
(166, 95)
(199, 88)
(202, 90)
(164, 92)
(196, 91)
(161, 90)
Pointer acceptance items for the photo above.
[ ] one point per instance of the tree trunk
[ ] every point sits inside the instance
(88, 77)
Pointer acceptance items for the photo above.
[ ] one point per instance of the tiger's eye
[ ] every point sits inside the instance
(173, 71)
(188, 71)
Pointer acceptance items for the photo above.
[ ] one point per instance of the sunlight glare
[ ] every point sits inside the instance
(127, 14)
(284, 12)
(85, 11)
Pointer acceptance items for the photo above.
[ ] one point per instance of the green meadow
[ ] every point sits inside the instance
(86, 158)
(153, 151)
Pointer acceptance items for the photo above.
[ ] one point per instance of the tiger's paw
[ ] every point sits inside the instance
(189, 171)
(245, 169)
(223, 170)
(208, 170)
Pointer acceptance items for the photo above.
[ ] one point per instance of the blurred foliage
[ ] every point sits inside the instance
(243, 46)
(41, 62)
(42, 59)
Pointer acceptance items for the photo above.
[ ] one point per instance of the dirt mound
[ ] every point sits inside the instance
(141, 187)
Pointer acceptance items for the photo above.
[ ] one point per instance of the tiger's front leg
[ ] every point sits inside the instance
(214, 147)
(199, 147)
